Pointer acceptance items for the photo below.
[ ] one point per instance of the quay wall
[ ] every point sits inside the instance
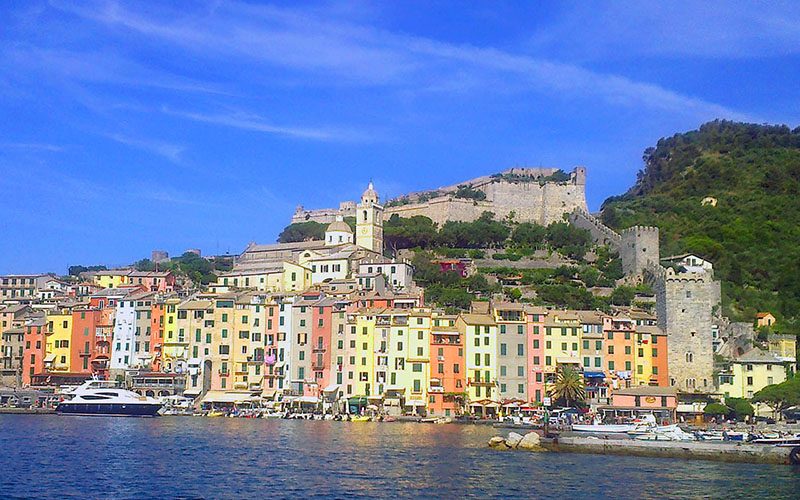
(719, 452)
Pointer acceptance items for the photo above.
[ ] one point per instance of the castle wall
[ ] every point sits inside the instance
(542, 203)
(601, 234)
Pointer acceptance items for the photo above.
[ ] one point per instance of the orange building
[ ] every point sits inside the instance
(447, 391)
(620, 339)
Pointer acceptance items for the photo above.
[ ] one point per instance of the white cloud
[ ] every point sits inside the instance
(337, 52)
(172, 152)
(256, 123)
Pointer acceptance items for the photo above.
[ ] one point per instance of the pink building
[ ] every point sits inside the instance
(661, 402)
(153, 281)
(535, 327)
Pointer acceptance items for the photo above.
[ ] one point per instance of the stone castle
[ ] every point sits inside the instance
(538, 195)
(686, 302)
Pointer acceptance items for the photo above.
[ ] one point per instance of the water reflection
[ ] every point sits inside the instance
(51, 456)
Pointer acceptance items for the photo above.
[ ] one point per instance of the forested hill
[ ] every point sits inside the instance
(751, 228)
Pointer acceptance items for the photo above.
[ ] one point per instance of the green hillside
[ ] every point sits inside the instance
(752, 234)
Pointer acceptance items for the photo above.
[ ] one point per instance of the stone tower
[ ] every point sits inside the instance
(685, 305)
(638, 249)
(369, 221)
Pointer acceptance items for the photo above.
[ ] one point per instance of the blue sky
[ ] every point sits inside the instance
(131, 126)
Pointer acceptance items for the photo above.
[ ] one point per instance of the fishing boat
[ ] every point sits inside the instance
(779, 441)
(104, 397)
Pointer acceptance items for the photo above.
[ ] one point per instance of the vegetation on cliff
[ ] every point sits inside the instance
(727, 192)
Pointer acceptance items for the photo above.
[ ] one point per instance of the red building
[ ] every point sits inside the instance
(34, 350)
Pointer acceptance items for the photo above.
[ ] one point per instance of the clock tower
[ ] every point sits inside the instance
(369, 221)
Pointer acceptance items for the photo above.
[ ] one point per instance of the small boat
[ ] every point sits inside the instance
(734, 436)
(780, 441)
(360, 418)
(215, 413)
(104, 397)
(709, 436)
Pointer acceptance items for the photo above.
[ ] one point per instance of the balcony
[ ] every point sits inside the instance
(84, 354)
(481, 383)
(318, 348)
(317, 367)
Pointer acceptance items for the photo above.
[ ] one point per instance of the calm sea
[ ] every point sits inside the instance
(103, 457)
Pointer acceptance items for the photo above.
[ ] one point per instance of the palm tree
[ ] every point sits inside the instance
(569, 386)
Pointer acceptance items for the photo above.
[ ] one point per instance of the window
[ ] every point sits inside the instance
(503, 349)
(749, 380)
(224, 349)
(548, 360)
(611, 366)
(586, 344)
(477, 359)
(502, 370)
(520, 349)
(502, 387)
(520, 371)
(535, 343)
(455, 368)
(521, 388)
(689, 357)
(611, 349)
(627, 366)
(486, 359)
(586, 362)
(502, 328)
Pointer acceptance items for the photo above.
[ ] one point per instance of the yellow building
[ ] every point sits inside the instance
(59, 336)
(480, 342)
(171, 350)
(562, 341)
(274, 277)
(363, 354)
(783, 346)
(417, 372)
(764, 319)
(750, 373)
(111, 279)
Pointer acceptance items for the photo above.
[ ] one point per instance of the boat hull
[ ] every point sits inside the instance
(111, 409)
(600, 428)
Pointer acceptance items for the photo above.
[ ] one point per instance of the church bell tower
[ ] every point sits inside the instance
(369, 221)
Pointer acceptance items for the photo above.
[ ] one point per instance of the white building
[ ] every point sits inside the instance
(692, 263)
(338, 232)
(399, 275)
(122, 350)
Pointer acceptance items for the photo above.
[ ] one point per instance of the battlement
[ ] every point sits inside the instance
(639, 229)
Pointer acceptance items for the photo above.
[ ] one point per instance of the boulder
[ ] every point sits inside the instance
(513, 439)
(498, 442)
(530, 442)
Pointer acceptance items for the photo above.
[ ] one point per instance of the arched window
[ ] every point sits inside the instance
(689, 357)
(365, 215)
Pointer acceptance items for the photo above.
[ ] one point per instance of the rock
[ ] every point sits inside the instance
(530, 442)
(513, 439)
(498, 442)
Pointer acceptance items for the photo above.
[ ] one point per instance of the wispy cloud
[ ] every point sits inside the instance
(171, 152)
(299, 40)
(256, 123)
(707, 29)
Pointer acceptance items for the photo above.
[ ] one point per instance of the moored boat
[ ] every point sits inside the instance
(103, 397)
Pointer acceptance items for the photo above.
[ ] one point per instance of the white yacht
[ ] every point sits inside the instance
(104, 397)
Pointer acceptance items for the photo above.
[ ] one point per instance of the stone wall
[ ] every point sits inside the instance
(601, 234)
(684, 305)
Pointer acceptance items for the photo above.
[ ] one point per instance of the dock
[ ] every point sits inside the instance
(26, 411)
(691, 450)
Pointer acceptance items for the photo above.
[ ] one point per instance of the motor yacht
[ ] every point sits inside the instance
(104, 397)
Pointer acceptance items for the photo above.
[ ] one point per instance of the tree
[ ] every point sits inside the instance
(529, 234)
(740, 407)
(76, 270)
(716, 409)
(302, 231)
(623, 296)
(781, 396)
(569, 386)
(144, 265)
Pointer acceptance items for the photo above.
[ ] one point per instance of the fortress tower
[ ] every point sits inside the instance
(638, 249)
(369, 221)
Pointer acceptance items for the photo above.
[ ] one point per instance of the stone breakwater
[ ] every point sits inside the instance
(690, 450)
(529, 442)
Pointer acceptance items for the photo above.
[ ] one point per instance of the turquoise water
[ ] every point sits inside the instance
(99, 457)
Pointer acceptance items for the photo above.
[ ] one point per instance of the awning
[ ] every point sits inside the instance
(226, 397)
(268, 393)
(308, 399)
(49, 358)
(396, 388)
(194, 391)
(415, 402)
(195, 361)
(594, 375)
(331, 388)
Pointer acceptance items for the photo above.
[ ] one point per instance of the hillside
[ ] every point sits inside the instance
(752, 233)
